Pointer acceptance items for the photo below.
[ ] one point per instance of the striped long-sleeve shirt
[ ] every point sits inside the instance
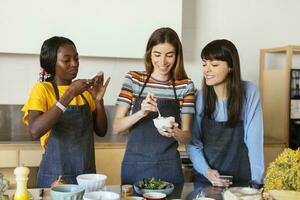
(133, 84)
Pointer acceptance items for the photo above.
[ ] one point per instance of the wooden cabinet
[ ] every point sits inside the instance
(31, 157)
(275, 83)
(108, 158)
(108, 162)
(271, 152)
(8, 158)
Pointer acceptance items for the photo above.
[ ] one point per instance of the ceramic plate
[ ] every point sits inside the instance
(242, 192)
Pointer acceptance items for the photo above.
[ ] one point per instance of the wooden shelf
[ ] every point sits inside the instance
(284, 49)
(273, 141)
(275, 94)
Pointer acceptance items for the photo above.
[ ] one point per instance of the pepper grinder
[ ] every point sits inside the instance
(21, 173)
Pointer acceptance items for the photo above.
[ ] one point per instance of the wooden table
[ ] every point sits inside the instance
(180, 192)
(187, 191)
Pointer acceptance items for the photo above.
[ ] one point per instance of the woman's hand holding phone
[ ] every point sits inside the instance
(97, 87)
(218, 180)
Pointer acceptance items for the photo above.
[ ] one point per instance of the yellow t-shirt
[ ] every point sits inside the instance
(42, 98)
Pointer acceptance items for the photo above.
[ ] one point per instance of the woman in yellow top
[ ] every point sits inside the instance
(64, 114)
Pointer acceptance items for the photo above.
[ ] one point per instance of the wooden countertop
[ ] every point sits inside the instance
(108, 141)
(187, 191)
(180, 192)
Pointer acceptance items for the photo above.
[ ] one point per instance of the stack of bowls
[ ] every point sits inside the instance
(67, 192)
(91, 182)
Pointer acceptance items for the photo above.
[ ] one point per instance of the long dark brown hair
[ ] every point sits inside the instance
(224, 50)
(166, 35)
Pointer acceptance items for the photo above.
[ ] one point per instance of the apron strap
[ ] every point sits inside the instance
(174, 89)
(57, 92)
(84, 99)
(144, 85)
(55, 89)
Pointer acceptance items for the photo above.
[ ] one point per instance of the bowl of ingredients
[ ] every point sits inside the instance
(161, 122)
(153, 185)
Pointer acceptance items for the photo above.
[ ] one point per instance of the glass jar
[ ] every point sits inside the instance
(3, 186)
(126, 191)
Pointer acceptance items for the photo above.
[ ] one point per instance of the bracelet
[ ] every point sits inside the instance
(60, 106)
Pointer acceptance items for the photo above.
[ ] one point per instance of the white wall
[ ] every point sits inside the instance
(18, 73)
(107, 28)
(250, 24)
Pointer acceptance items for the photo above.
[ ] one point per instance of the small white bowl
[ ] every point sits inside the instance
(203, 198)
(101, 195)
(134, 198)
(161, 122)
(91, 182)
(154, 195)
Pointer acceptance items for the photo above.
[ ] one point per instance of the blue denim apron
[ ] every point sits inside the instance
(148, 153)
(70, 148)
(225, 150)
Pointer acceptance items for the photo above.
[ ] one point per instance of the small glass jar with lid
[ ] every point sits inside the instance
(127, 190)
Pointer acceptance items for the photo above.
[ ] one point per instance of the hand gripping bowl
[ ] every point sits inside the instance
(161, 122)
(91, 182)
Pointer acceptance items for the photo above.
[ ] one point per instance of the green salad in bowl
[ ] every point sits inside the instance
(153, 185)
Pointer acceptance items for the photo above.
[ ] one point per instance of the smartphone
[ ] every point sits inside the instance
(94, 76)
(97, 74)
(226, 177)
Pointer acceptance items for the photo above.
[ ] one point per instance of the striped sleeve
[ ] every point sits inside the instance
(188, 101)
(126, 94)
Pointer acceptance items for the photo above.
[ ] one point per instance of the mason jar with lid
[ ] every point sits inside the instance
(126, 191)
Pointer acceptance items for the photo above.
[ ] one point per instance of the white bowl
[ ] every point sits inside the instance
(91, 182)
(161, 122)
(101, 195)
(154, 195)
(67, 192)
(134, 198)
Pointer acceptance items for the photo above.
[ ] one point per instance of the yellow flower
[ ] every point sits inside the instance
(284, 172)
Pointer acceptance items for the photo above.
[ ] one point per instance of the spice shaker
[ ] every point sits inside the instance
(21, 174)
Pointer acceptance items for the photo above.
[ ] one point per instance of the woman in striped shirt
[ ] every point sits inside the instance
(164, 86)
